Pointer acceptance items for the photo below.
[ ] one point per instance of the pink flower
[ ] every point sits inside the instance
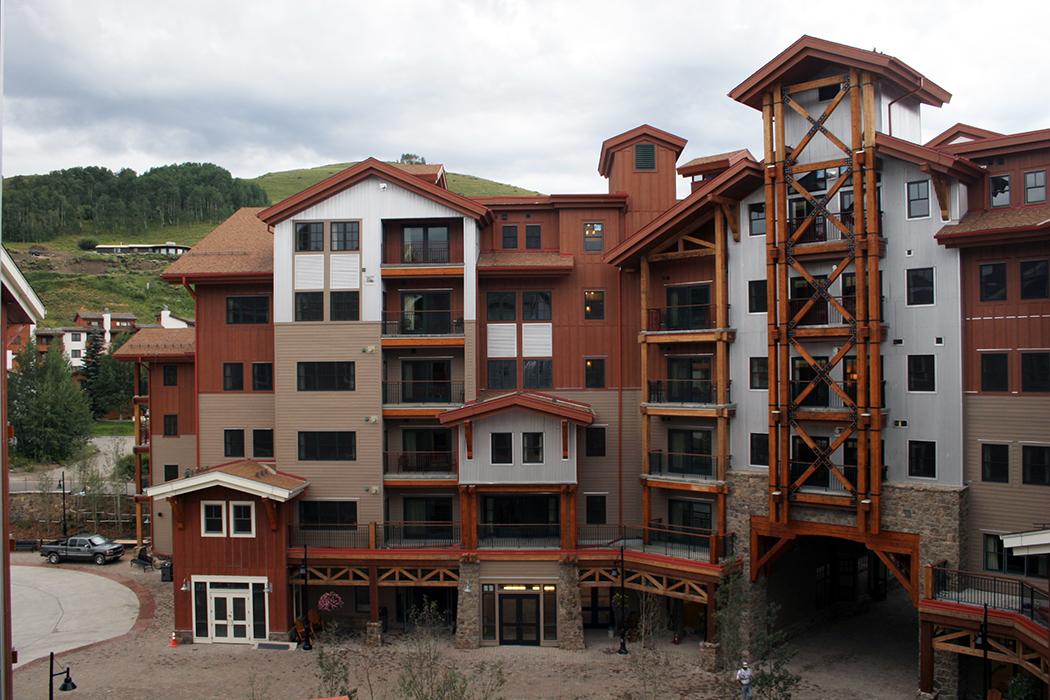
(330, 601)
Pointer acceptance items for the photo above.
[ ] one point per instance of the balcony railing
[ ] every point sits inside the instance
(997, 592)
(400, 323)
(822, 480)
(422, 392)
(693, 465)
(681, 318)
(420, 535)
(430, 252)
(348, 537)
(683, 391)
(519, 536)
(387, 535)
(822, 230)
(411, 464)
(668, 540)
(824, 313)
(822, 395)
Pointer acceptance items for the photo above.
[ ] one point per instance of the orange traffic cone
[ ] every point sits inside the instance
(174, 642)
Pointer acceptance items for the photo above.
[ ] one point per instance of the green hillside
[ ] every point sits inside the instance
(285, 183)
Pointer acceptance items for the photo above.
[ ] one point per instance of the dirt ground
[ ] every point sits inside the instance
(141, 665)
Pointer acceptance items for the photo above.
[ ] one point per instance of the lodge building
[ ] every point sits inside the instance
(829, 363)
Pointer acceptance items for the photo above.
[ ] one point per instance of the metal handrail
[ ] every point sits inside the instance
(441, 392)
(425, 252)
(997, 592)
(703, 391)
(396, 323)
(519, 535)
(681, 318)
(413, 534)
(419, 462)
(692, 464)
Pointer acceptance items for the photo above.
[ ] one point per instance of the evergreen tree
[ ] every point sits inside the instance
(89, 369)
(113, 386)
(50, 415)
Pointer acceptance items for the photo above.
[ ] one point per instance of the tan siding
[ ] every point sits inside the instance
(234, 410)
(995, 507)
(182, 451)
(470, 360)
(511, 570)
(332, 411)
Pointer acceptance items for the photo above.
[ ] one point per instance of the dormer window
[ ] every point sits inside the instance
(645, 156)
(1000, 186)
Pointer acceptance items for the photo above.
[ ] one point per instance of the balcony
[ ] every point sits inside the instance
(823, 237)
(421, 323)
(697, 317)
(419, 465)
(385, 535)
(519, 536)
(692, 466)
(680, 542)
(686, 391)
(997, 592)
(422, 392)
(425, 253)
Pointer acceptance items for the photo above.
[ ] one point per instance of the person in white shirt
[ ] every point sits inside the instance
(743, 676)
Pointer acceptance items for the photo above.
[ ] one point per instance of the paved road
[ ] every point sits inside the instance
(56, 609)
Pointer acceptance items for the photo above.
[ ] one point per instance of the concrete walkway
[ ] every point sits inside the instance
(56, 609)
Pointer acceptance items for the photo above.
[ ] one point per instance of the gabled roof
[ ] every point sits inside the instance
(930, 158)
(157, 344)
(241, 246)
(26, 307)
(645, 132)
(1005, 225)
(713, 164)
(804, 59)
(370, 167)
(1001, 145)
(245, 475)
(434, 173)
(530, 400)
(554, 201)
(735, 183)
(965, 131)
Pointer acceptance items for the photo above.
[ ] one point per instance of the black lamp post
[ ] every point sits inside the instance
(307, 646)
(984, 651)
(62, 485)
(622, 603)
(67, 682)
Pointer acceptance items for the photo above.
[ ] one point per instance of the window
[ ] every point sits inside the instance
(171, 425)
(995, 372)
(921, 371)
(346, 235)
(344, 306)
(325, 376)
(1035, 371)
(594, 441)
(1035, 279)
(213, 519)
(595, 508)
(328, 515)
(532, 236)
(593, 237)
(756, 218)
(425, 244)
(594, 372)
(247, 310)
(536, 306)
(537, 374)
(759, 373)
(993, 553)
(1035, 187)
(171, 472)
(328, 446)
(645, 156)
(75, 354)
(510, 236)
(233, 442)
(501, 448)
(262, 444)
(242, 519)
(503, 374)
(760, 449)
(594, 305)
(922, 459)
(532, 448)
(1035, 464)
(756, 297)
(171, 375)
(500, 306)
(309, 237)
(262, 376)
(75, 337)
(309, 306)
(920, 286)
(232, 376)
(993, 282)
(995, 463)
(1000, 190)
(918, 199)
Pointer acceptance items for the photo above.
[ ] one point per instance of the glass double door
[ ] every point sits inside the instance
(689, 379)
(230, 615)
(519, 619)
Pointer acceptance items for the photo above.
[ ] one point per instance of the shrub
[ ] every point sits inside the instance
(87, 243)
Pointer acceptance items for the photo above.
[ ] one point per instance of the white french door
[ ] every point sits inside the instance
(229, 616)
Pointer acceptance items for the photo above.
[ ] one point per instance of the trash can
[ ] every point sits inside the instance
(165, 574)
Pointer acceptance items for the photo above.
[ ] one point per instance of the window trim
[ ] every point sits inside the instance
(542, 459)
(924, 478)
(164, 472)
(244, 446)
(605, 440)
(331, 305)
(984, 471)
(300, 363)
(331, 242)
(539, 241)
(980, 282)
(1030, 351)
(299, 446)
(601, 225)
(295, 235)
(1029, 443)
(1020, 279)
(907, 367)
(750, 374)
(232, 364)
(907, 290)
(750, 220)
(230, 297)
(492, 449)
(980, 370)
(295, 306)
(765, 299)
(908, 200)
(587, 495)
(751, 450)
(591, 358)
(585, 302)
(222, 509)
(504, 229)
(1024, 178)
(164, 372)
(273, 450)
(233, 532)
(259, 364)
(164, 425)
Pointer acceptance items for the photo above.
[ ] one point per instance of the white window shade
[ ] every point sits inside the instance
(502, 340)
(536, 340)
(309, 272)
(344, 271)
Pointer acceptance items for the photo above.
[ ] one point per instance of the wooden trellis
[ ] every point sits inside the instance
(385, 576)
(668, 585)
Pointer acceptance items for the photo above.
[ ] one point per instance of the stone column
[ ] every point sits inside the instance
(570, 610)
(374, 634)
(468, 606)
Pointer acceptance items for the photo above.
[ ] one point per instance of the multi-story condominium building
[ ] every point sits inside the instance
(815, 363)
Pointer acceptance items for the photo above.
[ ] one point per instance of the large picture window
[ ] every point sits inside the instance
(327, 446)
(500, 306)
(328, 515)
(325, 376)
(309, 306)
(243, 310)
(503, 374)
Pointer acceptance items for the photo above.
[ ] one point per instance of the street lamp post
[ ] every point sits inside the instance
(623, 605)
(67, 682)
(62, 485)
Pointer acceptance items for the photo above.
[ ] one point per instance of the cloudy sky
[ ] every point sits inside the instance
(521, 92)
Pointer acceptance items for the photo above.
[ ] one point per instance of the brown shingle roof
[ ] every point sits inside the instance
(258, 471)
(575, 411)
(238, 247)
(1000, 223)
(157, 343)
(504, 259)
(713, 163)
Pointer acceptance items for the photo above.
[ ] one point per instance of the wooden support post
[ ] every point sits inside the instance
(464, 518)
(772, 330)
(373, 594)
(926, 657)
(861, 300)
(468, 437)
(722, 345)
(781, 228)
(645, 362)
(874, 325)
(565, 439)
(372, 535)
(712, 594)
(137, 422)
(563, 515)
(573, 527)
(646, 505)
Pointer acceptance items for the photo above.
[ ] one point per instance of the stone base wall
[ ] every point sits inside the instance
(937, 513)
(468, 607)
(570, 609)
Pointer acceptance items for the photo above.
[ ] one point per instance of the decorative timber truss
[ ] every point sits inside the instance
(335, 575)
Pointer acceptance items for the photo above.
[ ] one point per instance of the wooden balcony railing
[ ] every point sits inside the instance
(681, 318)
(411, 323)
(409, 464)
(423, 392)
(997, 592)
(691, 465)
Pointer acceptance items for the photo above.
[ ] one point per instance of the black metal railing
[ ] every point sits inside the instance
(683, 391)
(422, 392)
(682, 464)
(346, 537)
(998, 592)
(515, 536)
(425, 252)
(421, 323)
(417, 463)
(681, 542)
(420, 535)
(681, 318)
